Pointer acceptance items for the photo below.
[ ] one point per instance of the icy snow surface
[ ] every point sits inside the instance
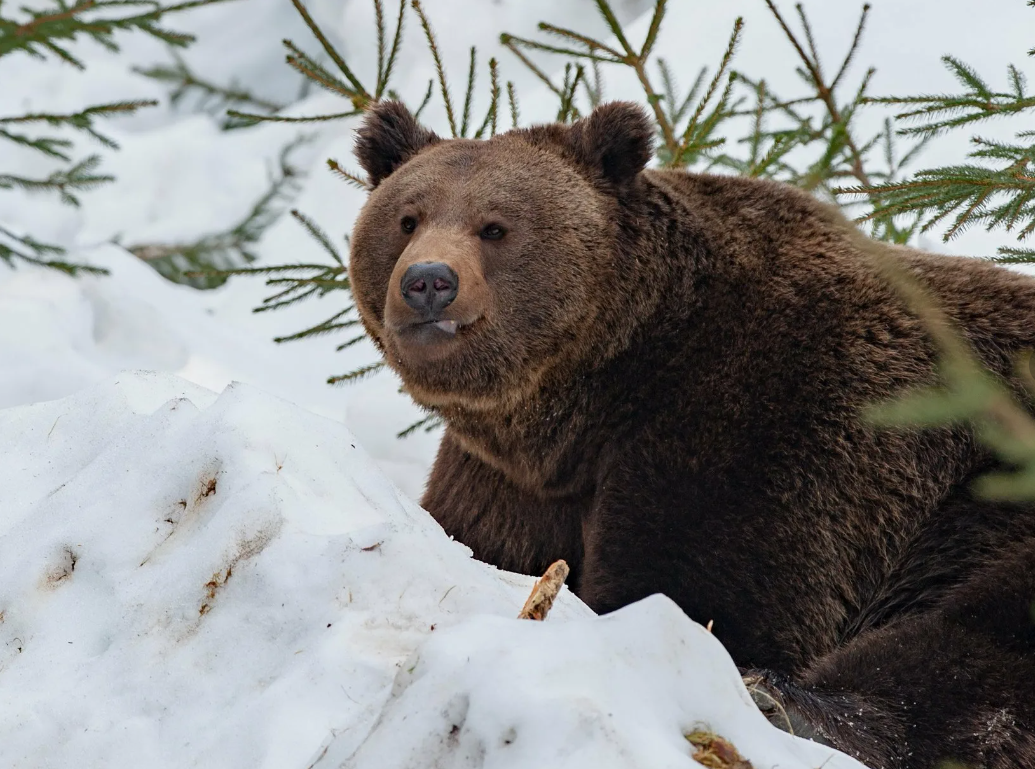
(242, 579)
(193, 580)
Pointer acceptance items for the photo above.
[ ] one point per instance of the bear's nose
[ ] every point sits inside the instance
(429, 288)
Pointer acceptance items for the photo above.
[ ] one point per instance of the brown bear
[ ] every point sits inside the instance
(660, 376)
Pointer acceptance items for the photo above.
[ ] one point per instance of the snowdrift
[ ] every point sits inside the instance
(189, 579)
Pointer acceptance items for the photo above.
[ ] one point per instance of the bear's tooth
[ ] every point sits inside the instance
(449, 326)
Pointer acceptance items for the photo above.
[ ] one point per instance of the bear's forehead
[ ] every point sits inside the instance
(480, 177)
(498, 159)
(463, 170)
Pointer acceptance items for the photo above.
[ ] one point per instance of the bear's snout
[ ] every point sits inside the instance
(436, 291)
(429, 288)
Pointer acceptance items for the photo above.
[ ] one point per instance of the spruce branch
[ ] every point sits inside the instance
(429, 423)
(938, 113)
(679, 147)
(65, 182)
(385, 70)
(316, 73)
(468, 94)
(250, 118)
(426, 100)
(512, 100)
(360, 97)
(492, 113)
(358, 374)
(998, 197)
(439, 69)
(38, 35)
(24, 248)
(697, 136)
(318, 235)
(348, 176)
(80, 121)
(208, 261)
(824, 91)
(211, 97)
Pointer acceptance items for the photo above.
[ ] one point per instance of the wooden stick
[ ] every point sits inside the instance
(545, 591)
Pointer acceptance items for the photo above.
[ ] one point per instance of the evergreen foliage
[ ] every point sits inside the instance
(997, 191)
(46, 34)
(204, 263)
(207, 96)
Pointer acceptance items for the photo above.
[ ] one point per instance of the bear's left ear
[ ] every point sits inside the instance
(389, 136)
(617, 139)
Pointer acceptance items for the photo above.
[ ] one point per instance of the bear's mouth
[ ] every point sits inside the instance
(449, 326)
(437, 330)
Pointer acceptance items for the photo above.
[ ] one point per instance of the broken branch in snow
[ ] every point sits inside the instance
(715, 752)
(545, 591)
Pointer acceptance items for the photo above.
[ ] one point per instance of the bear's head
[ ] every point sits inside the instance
(477, 266)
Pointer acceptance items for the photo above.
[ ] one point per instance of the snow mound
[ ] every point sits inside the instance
(621, 690)
(189, 579)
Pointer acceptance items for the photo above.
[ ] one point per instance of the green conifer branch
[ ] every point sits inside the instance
(465, 118)
(591, 44)
(26, 249)
(348, 176)
(65, 182)
(208, 261)
(46, 32)
(512, 101)
(360, 95)
(318, 235)
(677, 109)
(491, 114)
(315, 72)
(212, 97)
(38, 35)
(512, 44)
(251, 117)
(431, 422)
(385, 72)
(426, 100)
(439, 69)
(938, 113)
(80, 121)
(358, 374)
(998, 197)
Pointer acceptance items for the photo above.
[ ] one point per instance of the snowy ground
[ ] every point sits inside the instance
(189, 579)
(193, 580)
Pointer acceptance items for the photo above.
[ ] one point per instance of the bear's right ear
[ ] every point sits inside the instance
(389, 136)
(617, 139)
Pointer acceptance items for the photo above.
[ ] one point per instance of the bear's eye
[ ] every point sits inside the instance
(492, 232)
(408, 224)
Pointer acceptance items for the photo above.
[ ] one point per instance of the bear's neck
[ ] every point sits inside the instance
(544, 443)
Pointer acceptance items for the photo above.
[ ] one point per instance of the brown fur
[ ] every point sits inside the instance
(663, 386)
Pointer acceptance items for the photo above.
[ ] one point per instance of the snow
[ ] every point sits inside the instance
(210, 558)
(189, 579)
(504, 693)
